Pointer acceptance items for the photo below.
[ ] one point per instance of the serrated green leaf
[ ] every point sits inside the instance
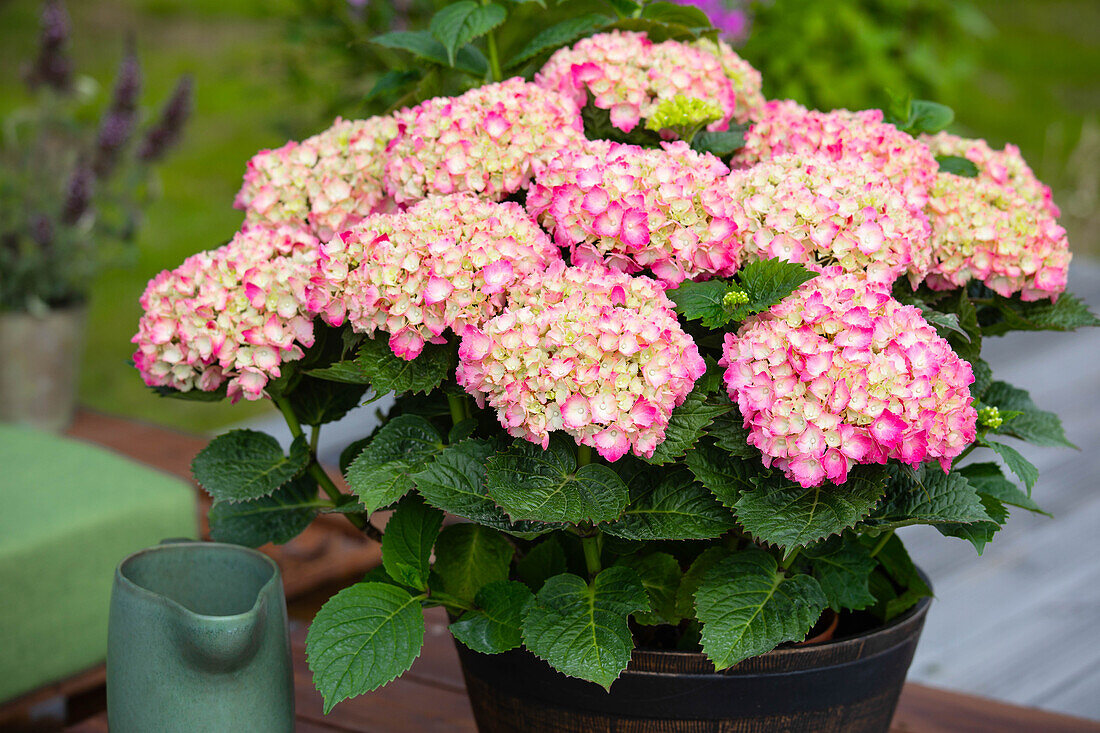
(1033, 425)
(319, 401)
(688, 422)
(785, 514)
(676, 508)
(496, 625)
(723, 475)
(392, 81)
(546, 485)
(469, 556)
(693, 578)
(424, 46)
(719, 144)
(382, 472)
(277, 518)
(1012, 314)
(983, 377)
(580, 629)
(842, 567)
(459, 23)
(1023, 468)
(748, 607)
(390, 373)
(247, 464)
(544, 560)
(702, 301)
(928, 497)
(929, 117)
(657, 31)
(730, 434)
(978, 533)
(957, 166)
(558, 35)
(766, 282)
(462, 431)
(660, 574)
(988, 480)
(407, 543)
(685, 15)
(362, 638)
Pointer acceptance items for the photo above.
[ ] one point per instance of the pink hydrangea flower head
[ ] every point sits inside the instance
(840, 373)
(328, 181)
(987, 231)
(1005, 167)
(588, 350)
(446, 262)
(627, 74)
(634, 208)
(820, 212)
(488, 141)
(747, 82)
(784, 126)
(232, 314)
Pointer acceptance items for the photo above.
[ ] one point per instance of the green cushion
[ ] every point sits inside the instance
(69, 512)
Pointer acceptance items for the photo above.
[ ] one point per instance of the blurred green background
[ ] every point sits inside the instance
(1023, 71)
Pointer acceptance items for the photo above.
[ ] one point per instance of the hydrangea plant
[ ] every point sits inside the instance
(676, 383)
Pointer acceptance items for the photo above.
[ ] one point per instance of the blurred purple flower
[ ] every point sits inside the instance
(166, 132)
(118, 122)
(729, 16)
(42, 230)
(52, 67)
(79, 195)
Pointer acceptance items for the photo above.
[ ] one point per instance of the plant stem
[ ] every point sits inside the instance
(790, 558)
(584, 455)
(494, 55)
(450, 601)
(882, 543)
(458, 407)
(591, 547)
(314, 438)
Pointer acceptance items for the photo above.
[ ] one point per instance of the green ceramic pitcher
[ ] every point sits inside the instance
(197, 641)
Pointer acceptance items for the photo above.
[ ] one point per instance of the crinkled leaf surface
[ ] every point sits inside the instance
(278, 517)
(247, 464)
(660, 574)
(382, 472)
(842, 567)
(469, 556)
(678, 508)
(496, 625)
(409, 537)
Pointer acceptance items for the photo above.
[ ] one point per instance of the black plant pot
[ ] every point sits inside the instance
(849, 684)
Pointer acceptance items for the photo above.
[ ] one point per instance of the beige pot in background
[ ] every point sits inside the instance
(39, 362)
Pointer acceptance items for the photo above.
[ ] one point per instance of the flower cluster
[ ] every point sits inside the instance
(820, 212)
(588, 350)
(328, 181)
(1004, 167)
(234, 313)
(628, 75)
(445, 262)
(990, 232)
(636, 208)
(840, 373)
(488, 141)
(784, 126)
(747, 82)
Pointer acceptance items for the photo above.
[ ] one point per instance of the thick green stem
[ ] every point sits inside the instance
(494, 54)
(591, 547)
(584, 455)
(314, 438)
(449, 601)
(790, 558)
(458, 407)
(882, 543)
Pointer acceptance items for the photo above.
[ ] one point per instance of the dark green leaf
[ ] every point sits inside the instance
(685, 426)
(732, 436)
(748, 607)
(597, 126)
(469, 556)
(422, 45)
(927, 497)
(382, 472)
(781, 512)
(978, 533)
(558, 35)
(725, 476)
(191, 395)
(1022, 467)
(247, 464)
(580, 629)
(1012, 314)
(702, 301)
(842, 566)
(988, 480)
(362, 638)
(277, 518)
(660, 574)
(407, 543)
(767, 282)
(462, 431)
(392, 81)
(1034, 425)
(459, 23)
(677, 508)
(318, 401)
(544, 560)
(495, 626)
(693, 578)
(719, 144)
(658, 31)
(546, 485)
(929, 117)
(666, 12)
(957, 165)
(625, 8)
(391, 373)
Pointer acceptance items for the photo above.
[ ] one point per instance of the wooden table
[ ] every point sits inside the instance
(432, 697)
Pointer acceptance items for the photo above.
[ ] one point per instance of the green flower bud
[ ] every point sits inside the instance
(990, 417)
(734, 298)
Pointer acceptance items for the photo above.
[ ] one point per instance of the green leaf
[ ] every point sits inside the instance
(978, 533)
(546, 485)
(544, 560)
(407, 542)
(724, 476)
(677, 508)
(896, 585)
(929, 117)
(392, 81)
(748, 607)
(391, 373)
(988, 480)
(247, 464)
(660, 574)
(191, 395)
(462, 431)
(382, 472)
(687, 422)
(719, 144)
(318, 401)
(1012, 314)
(731, 435)
(625, 8)
(783, 513)
(496, 625)
(277, 518)
(1035, 426)
(422, 45)
(558, 35)
(1022, 467)
(693, 578)
(580, 629)
(658, 31)
(957, 165)
(597, 126)
(767, 282)
(685, 15)
(362, 638)
(927, 497)
(459, 23)
(842, 567)
(702, 301)
(469, 556)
